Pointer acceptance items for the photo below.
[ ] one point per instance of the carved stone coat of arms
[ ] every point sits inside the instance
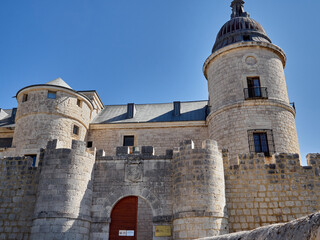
(134, 172)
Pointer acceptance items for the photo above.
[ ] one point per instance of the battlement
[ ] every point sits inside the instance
(189, 145)
(77, 147)
(278, 163)
(127, 152)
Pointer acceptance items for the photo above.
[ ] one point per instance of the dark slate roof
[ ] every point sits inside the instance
(6, 118)
(239, 28)
(162, 112)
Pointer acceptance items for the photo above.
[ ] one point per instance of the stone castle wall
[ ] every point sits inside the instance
(18, 189)
(63, 206)
(140, 174)
(199, 206)
(161, 138)
(40, 119)
(260, 194)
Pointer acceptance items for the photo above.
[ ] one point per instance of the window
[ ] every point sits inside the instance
(261, 141)
(52, 95)
(34, 159)
(79, 102)
(5, 142)
(75, 130)
(128, 141)
(25, 97)
(89, 144)
(246, 38)
(254, 89)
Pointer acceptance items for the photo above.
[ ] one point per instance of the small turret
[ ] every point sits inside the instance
(51, 111)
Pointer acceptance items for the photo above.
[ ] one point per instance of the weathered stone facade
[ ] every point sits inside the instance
(67, 161)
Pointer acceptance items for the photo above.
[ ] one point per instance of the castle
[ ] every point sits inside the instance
(74, 168)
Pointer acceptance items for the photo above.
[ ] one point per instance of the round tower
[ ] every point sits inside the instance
(50, 111)
(250, 108)
(199, 203)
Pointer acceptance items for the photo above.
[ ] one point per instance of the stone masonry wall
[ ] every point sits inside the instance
(18, 188)
(260, 194)
(199, 205)
(63, 206)
(230, 127)
(140, 174)
(144, 221)
(40, 119)
(161, 138)
(306, 228)
(227, 73)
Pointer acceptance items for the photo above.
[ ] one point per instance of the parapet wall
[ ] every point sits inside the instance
(260, 194)
(18, 189)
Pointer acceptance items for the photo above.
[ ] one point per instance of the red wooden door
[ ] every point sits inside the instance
(124, 217)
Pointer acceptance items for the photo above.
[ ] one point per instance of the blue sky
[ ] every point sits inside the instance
(148, 51)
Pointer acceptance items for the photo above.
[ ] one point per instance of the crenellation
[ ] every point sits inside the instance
(240, 171)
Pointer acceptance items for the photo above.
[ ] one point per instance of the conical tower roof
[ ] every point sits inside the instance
(59, 82)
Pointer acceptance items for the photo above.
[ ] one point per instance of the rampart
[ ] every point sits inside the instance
(18, 189)
(260, 194)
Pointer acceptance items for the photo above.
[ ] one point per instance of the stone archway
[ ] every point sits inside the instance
(131, 219)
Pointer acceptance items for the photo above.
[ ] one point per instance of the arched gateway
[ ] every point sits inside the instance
(131, 219)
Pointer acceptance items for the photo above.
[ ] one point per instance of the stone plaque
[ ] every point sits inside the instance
(134, 172)
(162, 231)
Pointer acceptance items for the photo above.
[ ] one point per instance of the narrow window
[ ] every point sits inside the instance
(261, 141)
(89, 144)
(128, 141)
(25, 97)
(75, 130)
(34, 159)
(52, 95)
(79, 103)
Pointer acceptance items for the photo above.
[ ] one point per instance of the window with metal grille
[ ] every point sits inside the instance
(128, 140)
(261, 141)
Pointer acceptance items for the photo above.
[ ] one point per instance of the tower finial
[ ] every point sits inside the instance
(237, 9)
